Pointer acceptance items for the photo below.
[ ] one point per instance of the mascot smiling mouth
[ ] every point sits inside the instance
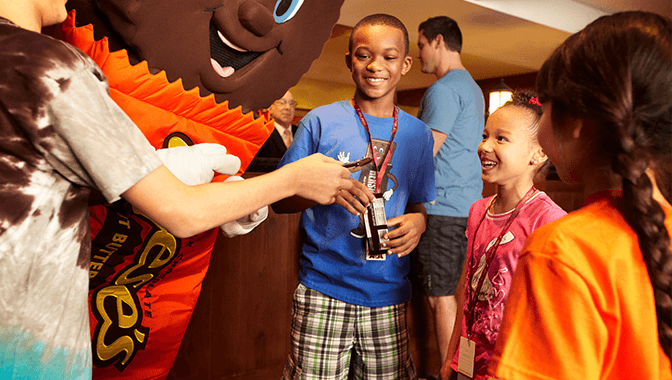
(227, 58)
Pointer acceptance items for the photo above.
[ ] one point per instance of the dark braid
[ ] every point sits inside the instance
(618, 73)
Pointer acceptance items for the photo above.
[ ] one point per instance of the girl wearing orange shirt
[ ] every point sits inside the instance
(592, 294)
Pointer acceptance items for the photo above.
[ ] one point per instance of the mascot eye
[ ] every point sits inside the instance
(286, 9)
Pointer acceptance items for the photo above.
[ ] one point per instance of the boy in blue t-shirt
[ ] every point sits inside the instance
(349, 311)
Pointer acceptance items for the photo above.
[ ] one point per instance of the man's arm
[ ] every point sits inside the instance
(440, 112)
(188, 210)
(439, 138)
(406, 236)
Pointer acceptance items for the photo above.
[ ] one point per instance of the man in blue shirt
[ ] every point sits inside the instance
(453, 108)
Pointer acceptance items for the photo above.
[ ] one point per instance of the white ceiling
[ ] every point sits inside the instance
(501, 37)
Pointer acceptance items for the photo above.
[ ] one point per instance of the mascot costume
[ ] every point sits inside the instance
(191, 74)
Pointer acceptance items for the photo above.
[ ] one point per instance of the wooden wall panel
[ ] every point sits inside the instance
(568, 196)
(241, 322)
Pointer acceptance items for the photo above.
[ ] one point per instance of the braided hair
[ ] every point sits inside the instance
(617, 72)
(527, 99)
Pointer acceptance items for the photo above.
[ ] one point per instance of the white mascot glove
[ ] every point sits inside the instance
(197, 164)
(245, 224)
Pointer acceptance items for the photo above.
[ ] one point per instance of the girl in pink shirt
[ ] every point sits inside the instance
(511, 158)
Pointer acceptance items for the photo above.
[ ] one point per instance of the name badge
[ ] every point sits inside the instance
(375, 222)
(465, 362)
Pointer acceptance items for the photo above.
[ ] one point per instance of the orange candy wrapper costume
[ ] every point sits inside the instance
(144, 281)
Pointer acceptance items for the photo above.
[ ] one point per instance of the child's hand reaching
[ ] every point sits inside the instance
(318, 178)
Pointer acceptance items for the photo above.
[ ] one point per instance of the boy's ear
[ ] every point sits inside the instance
(408, 61)
(348, 61)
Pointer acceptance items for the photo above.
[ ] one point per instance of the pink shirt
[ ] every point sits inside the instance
(489, 309)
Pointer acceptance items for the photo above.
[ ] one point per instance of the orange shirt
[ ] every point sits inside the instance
(581, 304)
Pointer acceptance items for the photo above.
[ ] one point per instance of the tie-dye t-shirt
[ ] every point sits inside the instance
(60, 135)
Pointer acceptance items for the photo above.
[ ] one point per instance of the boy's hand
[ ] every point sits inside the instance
(406, 236)
(355, 199)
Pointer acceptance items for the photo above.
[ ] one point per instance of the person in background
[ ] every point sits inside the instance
(592, 295)
(61, 136)
(453, 107)
(511, 159)
(282, 111)
(349, 310)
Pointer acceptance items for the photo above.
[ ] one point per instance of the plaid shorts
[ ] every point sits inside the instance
(332, 339)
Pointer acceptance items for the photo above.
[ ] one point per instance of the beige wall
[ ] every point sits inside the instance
(312, 93)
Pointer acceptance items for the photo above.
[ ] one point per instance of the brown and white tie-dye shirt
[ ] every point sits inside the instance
(60, 135)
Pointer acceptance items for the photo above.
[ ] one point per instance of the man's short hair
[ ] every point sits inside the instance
(381, 19)
(445, 26)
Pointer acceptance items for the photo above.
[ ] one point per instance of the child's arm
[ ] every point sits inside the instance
(406, 236)
(354, 200)
(188, 210)
(292, 204)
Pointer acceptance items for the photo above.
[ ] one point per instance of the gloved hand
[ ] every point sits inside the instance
(197, 164)
(245, 224)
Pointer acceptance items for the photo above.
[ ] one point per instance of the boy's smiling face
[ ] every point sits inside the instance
(377, 60)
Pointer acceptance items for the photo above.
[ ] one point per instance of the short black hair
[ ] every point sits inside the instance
(445, 26)
(381, 19)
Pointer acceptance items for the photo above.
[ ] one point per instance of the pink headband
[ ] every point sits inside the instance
(535, 101)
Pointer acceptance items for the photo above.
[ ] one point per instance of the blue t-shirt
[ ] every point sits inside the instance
(454, 105)
(333, 262)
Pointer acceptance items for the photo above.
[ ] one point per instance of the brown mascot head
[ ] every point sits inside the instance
(248, 52)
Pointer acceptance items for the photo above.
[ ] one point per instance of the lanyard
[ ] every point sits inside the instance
(489, 255)
(379, 173)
